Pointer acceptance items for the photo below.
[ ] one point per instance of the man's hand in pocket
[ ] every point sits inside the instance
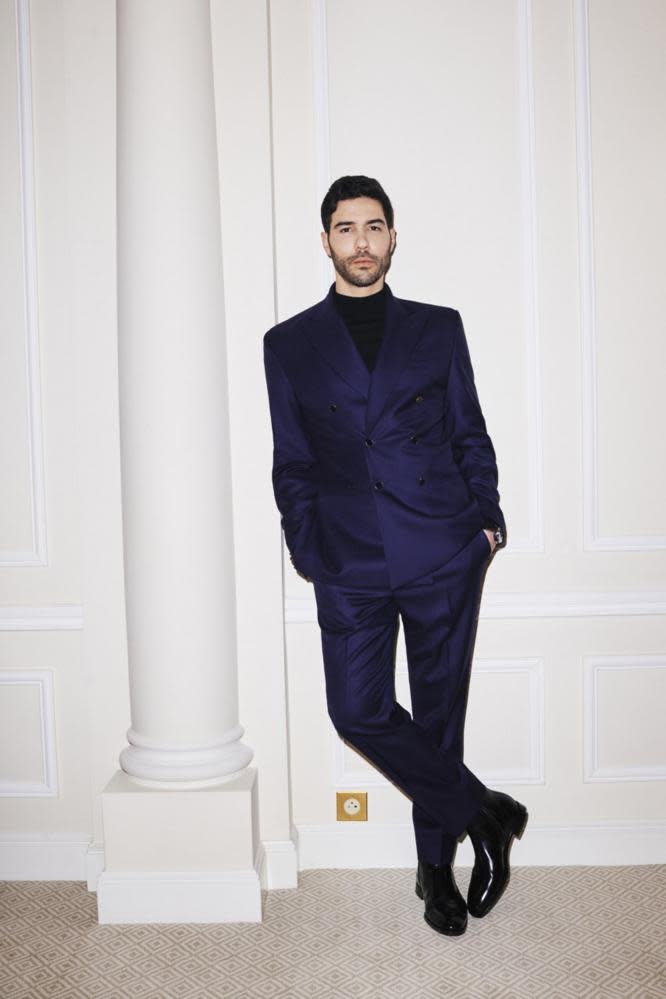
(301, 574)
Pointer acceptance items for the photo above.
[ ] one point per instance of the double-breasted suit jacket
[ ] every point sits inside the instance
(380, 478)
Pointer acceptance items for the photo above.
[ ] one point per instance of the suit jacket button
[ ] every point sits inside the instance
(332, 407)
(379, 485)
(418, 398)
(421, 480)
(369, 441)
(414, 439)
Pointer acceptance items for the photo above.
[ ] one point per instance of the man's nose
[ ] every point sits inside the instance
(361, 240)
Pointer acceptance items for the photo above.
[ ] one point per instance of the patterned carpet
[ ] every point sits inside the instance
(557, 932)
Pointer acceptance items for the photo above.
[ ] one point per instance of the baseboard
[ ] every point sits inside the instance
(277, 864)
(76, 858)
(125, 897)
(356, 845)
(94, 865)
(40, 857)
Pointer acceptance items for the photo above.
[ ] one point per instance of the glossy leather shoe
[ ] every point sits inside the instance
(445, 908)
(491, 831)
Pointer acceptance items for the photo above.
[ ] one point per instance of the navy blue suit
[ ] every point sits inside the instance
(384, 481)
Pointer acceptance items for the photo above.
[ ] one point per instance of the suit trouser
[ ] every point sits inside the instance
(421, 753)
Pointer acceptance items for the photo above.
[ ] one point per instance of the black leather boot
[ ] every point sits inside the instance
(491, 830)
(445, 908)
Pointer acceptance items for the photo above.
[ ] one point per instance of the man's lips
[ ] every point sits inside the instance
(363, 260)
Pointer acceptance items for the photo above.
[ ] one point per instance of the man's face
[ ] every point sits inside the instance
(360, 244)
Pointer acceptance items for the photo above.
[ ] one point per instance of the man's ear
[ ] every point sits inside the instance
(394, 236)
(324, 243)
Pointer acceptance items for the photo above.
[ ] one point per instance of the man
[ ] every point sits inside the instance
(386, 481)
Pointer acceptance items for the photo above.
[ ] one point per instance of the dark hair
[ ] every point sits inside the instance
(359, 186)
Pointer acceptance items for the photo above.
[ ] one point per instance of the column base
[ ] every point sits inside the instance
(180, 856)
(179, 897)
(163, 767)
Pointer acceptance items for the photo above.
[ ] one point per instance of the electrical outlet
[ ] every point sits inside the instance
(352, 806)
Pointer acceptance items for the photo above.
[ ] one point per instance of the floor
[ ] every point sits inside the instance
(557, 932)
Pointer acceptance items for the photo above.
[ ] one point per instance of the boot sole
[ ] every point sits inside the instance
(446, 933)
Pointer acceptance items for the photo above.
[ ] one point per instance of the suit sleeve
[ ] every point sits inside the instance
(294, 482)
(465, 426)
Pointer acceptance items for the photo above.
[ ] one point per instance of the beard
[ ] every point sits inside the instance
(356, 276)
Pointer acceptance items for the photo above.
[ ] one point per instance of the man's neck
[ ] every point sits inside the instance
(353, 291)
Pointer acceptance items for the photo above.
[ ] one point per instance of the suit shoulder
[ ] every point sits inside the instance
(446, 312)
(443, 323)
(285, 332)
(441, 312)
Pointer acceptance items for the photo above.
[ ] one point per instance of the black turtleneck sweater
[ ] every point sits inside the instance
(364, 318)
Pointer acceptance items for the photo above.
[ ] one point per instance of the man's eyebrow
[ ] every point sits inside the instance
(369, 222)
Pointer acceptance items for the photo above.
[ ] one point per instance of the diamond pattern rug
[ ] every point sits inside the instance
(557, 932)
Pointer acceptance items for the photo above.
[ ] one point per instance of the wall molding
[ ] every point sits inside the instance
(345, 777)
(593, 540)
(48, 786)
(586, 275)
(321, 123)
(593, 666)
(533, 668)
(525, 604)
(59, 617)
(534, 540)
(38, 554)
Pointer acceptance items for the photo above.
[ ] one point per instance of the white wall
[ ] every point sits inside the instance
(62, 618)
(525, 169)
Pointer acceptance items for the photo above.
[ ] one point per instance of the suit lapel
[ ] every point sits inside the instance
(402, 331)
(329, 335)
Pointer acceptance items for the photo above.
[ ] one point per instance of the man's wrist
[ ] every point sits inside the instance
(498, 532)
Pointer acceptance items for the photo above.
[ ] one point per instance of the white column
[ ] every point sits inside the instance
(177, 521)
(191, 854)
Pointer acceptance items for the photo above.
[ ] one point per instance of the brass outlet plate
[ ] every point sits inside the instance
(352, 806)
